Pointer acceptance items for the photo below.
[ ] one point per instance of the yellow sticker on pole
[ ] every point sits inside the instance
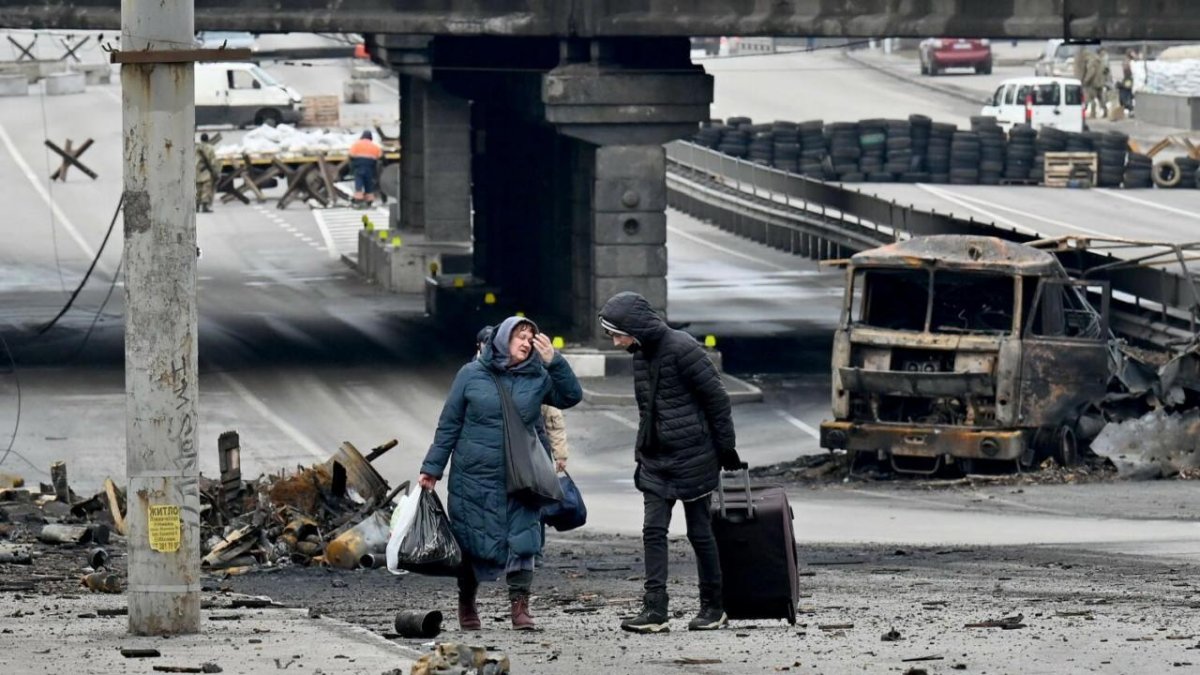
(166, 528)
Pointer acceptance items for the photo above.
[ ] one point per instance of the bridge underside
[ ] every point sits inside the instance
(1099, 19)
(548, 155)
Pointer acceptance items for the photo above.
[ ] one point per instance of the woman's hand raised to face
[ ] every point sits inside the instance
(543, 346)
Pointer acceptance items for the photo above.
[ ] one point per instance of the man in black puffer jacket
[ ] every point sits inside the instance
(685, 436)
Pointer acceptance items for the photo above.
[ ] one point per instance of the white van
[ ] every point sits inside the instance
(242, 94)
(1038, 101)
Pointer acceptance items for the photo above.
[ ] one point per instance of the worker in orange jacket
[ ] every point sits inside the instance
(364, 163)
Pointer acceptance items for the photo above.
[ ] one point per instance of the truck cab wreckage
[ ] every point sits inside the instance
(957, 349)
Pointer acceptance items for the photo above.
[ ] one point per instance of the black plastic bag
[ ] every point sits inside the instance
(530, 471)
(570, 513)
(430, 547)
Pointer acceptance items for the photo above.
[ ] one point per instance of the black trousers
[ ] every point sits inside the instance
(518, 582)
(699, 533)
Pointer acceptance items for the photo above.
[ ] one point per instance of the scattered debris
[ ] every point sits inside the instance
(691, 661)
(931, 657)
(131, 653)
(418, 624)
(1007, 623)
(836, 626)
(103, 582)
(335, 513)
(892, 635)
(460, 658)
(1156, 445)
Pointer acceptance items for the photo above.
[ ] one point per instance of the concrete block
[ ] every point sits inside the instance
(636, 227)
(586, 363)
(369, 72)
(631, 161)
(60, 84)
(94, 73)
(630, 261)
(394, 215)
(14, 85)
(356, 91)
(1179, 112)
(654, 289)
(630, 194)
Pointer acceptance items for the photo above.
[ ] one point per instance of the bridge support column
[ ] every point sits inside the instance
(625, 248)
(435, 161)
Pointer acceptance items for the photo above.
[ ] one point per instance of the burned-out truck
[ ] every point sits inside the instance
(964, 348)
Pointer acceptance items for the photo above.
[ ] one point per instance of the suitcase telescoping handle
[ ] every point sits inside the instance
(744, 474)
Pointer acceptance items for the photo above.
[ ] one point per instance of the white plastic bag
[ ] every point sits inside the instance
(402, 520)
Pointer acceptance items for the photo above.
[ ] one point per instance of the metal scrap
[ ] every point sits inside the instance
(335, 513)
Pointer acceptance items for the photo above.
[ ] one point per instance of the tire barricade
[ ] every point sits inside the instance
(919, 150)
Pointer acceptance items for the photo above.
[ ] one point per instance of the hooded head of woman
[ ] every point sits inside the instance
(512, 341)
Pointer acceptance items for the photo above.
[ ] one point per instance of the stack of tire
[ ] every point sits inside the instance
(1018, 160)
(710, 134)
(899, 151)
(1188, 172)
(786, 149)
(814, 155)
(937, 159)
(1079, 142)
(762, 146)
(735, 141)
(965, 156)
(1139, 170)
(845, 151)
(991, 149)
(922, 128)
(1049, 139)
(1111, 153)
(872, 140)
(1179, 172)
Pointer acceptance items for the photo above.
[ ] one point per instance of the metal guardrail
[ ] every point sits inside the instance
(824, 220)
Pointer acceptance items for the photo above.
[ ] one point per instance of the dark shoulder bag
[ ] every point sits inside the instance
(528, 467)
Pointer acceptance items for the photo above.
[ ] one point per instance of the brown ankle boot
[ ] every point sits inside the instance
(521, 618)
(468, 613)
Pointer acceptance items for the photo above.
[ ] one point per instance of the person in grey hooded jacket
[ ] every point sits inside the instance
(497, 534)
(685, 436)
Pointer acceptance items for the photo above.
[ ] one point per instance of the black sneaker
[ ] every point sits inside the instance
(651, 620)
(711, 617)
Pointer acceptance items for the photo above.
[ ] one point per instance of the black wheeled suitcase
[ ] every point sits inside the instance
(753, 528)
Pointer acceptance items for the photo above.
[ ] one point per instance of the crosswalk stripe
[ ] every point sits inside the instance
(339, 227)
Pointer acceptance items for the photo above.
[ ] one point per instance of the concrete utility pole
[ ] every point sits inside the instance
(160, 316)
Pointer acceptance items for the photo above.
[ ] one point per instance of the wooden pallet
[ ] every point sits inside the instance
(321, 111)
(1062, 167)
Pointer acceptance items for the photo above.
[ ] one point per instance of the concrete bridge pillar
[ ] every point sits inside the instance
(435, 161)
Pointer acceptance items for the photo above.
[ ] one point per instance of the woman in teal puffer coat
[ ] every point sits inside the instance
(497, 534)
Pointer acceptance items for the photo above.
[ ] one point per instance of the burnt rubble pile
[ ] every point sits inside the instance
(52, 521)
(335, 513)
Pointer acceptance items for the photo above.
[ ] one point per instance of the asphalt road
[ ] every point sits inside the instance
(298, 354)
(826, 85)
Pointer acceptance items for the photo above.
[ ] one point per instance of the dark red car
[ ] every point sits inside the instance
(938, 54)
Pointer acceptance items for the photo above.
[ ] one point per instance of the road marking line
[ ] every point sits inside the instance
(798, 423)
(1153, 205)
(614, 416)
(1033, 216)
(278, 422)
(325, 234)
(45, 195)
(995, 218)
(727, 251)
